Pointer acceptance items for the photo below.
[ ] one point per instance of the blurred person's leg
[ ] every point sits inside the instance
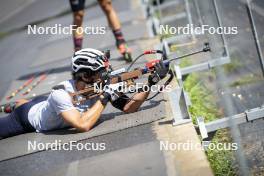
(77, 7)
(115, 25)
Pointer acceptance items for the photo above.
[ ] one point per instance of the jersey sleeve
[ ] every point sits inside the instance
(60, 100)
(120, 102)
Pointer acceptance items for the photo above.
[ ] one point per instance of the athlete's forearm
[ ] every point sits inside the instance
(134, 104)
(91, 116)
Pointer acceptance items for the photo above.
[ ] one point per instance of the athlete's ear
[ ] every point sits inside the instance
(85, 78)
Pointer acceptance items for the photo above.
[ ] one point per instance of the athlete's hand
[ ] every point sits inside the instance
(112, 91)
(160, 72)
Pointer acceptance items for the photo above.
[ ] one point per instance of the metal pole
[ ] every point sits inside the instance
(228, 104)
(198, 12)
(220, 23)
(255, 34)
(189, 17)
(160, 13)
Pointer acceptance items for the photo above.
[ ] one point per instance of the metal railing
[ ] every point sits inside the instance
(179, 99)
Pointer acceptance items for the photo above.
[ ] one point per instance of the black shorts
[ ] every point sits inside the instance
(17, 122)
(77, 5)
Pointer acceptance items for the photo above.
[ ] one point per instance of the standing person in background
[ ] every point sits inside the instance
(77, 7)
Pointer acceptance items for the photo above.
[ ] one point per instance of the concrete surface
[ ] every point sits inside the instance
(48, 162)
(122, 162)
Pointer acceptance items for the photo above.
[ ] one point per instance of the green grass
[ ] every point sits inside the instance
(3, 34)
(204, 104)
(201, 98)
(222, 160)
(156, 14)
(234, 65)
(247, 79)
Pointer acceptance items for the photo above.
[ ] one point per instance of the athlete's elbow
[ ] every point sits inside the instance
(130, 110)
(84, 128)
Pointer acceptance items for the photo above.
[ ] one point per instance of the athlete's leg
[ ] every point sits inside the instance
(115, 25)
(77, 7)
(17, 121)
(110, 13)
(21, 102)
(9, 126)
(10, 107)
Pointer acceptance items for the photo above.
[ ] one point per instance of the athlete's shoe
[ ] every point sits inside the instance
(8, 108)
(125, 51)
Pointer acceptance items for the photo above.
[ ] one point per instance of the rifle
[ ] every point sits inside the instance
(124, 75)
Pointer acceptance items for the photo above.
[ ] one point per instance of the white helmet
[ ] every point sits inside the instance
(88, 58)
